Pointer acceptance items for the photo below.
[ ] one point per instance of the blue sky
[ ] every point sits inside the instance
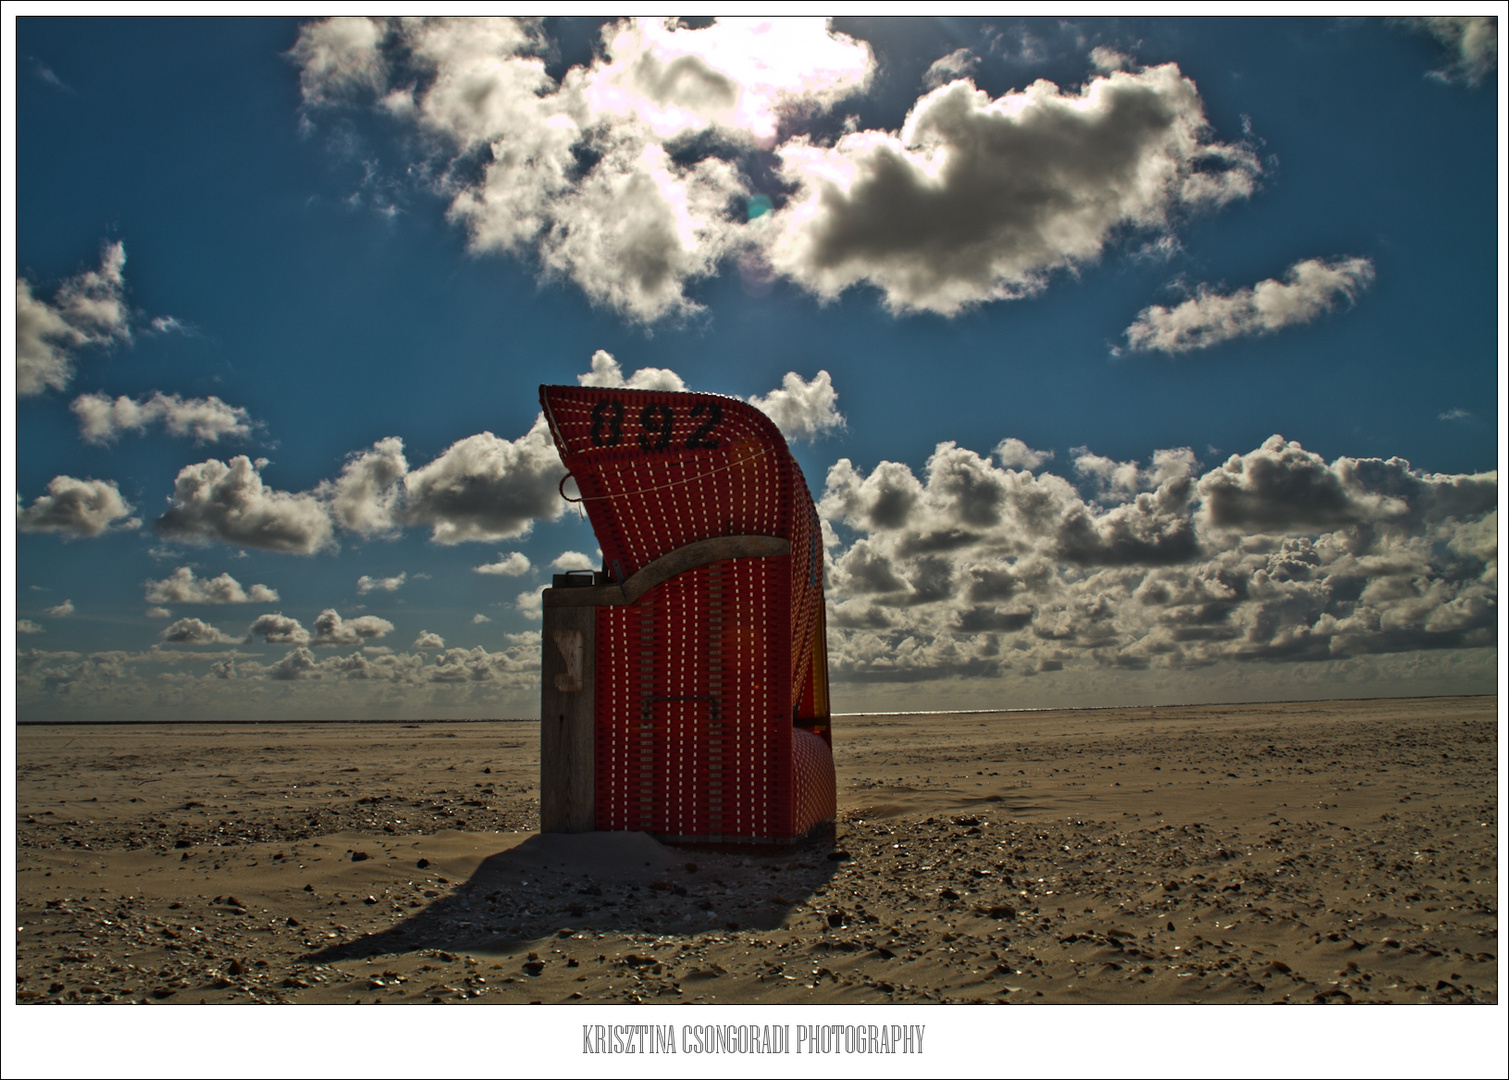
(1031, 299)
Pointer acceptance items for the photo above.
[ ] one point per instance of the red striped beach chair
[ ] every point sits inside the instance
(692, 670)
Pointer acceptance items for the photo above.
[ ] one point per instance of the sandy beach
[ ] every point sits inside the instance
(1338, 852)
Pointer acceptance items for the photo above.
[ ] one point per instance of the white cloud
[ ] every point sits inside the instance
(1310, 288)
(331, 629)
(959, 64)
(374, 680)
(974, 570)
(1015, 454)
(338, 56)
(278, 629)
(26, 626)
(531, 603)
(802, 410)
(427, 640)
(194, 632)
(480, 74)
(574, 560)
(182, 587)
(1108, 60)
(102, 420)
(366, 584)
(484, 488)
(477, 665)
(513, 564)
(1473, 41)
(634, 226)
(479, 618)
(639, 227)
(77, 508)
(1116, 479)
(227, 502)
(170, 324)
(296, 664)
(366, 496)
(978, 199)
(1281, 486)
(43, 341)
(606, 372)
(158, 613)
(629, 176)
(60, 611)
(88, 309)
(738, 76)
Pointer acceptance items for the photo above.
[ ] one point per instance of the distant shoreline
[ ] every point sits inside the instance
(845, 715)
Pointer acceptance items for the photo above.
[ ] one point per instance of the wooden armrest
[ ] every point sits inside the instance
(668, 566)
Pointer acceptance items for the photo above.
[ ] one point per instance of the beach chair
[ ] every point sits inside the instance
(685, 685)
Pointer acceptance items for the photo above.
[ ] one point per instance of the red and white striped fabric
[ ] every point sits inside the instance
(710, 683)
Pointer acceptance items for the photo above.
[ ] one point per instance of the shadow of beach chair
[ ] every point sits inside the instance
(685, 686)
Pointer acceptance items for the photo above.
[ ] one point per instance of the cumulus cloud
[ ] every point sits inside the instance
(338, 56)
(484, 488)
(531, 603)
(513, 564)
(1311, 287)
(331, 629)
(1114, 481)
(479, 618)
(802, 410)
(1015, 454)
(227, 502)
(606, 372)
(76, 508)
(1472, 41)
(638, 228)
(427, 640)
(297, 664)
(60, 611)
(738, 76)
(366, 495)
(278, 629)
(977, 570)
(27, 626)
(581, 172)
(574, 560)
(1278, 486)
(114, 684)
(103, 421)
(194, 632)
(87, 309)
(183, 587)
(630, 176)
(158, 613)
(477, 665)
(366, 584)
(1107, 59)
(959, 64)
(978, 199)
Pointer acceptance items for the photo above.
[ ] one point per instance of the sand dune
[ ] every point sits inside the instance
(1316, 852)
